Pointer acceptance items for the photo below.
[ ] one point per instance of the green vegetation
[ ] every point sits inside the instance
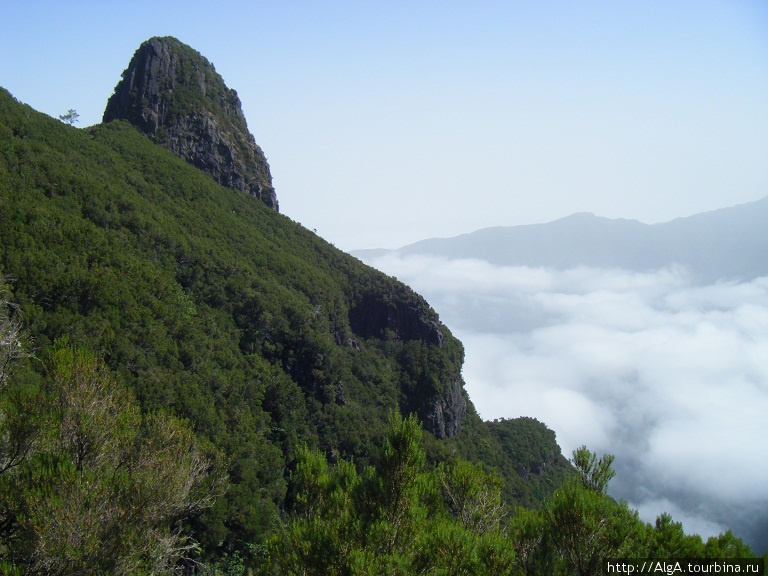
(188, 377)
(392, 518)
(209, 306)
(88, 484)
(402, 517)
(70, 117)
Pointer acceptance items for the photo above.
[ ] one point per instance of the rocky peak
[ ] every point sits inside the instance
(175, 96)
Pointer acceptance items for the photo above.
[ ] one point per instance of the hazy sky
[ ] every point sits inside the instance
(388, 122)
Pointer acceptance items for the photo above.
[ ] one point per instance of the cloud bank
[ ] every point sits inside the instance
(669, 376)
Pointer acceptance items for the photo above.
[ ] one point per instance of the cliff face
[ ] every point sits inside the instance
(175, 96)
(448, 410)
(403, 315)
(400, 314)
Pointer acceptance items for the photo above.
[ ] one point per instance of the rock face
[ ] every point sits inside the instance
(175, 96)
(448, 411)
(405, 316)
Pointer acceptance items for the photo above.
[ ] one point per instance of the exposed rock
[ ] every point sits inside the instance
(448, 411)
(352, 343)
(401, 314)
(341, 397)
(175, 96)
(377, 314)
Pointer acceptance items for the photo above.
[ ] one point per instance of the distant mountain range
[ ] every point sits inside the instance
(730, 243)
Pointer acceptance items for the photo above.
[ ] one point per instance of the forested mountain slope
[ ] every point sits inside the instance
(208, 304)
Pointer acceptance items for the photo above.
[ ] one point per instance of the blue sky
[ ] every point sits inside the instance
(388, 122)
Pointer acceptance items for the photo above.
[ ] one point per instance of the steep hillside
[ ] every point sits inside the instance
(213, 306)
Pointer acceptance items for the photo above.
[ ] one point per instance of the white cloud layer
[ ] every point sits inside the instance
(670, 377)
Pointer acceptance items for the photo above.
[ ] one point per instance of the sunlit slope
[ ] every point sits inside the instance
(227, 313)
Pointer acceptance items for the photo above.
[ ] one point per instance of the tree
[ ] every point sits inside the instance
(106, 489)
(22, 409)
(668, 540)
(473, 496)
(593, 473)
(528, 532)
(11, 334)
(726, 545)
(70, 117)
(402, 460)
(326, 527)
(395, 518)
(579, 526)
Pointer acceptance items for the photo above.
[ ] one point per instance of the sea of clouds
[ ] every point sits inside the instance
(669, 376)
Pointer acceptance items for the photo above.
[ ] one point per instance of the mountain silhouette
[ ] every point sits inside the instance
(725, 244)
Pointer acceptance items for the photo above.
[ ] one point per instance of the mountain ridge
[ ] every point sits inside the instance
(724, 244)
(210, 305)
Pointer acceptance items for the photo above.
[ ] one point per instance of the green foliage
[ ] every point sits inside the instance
(207, 304)
(403, 517)
(526, 454)
(398, 517)
(586, 527)
(668, 540)
(401, 460)
(213, 308)
(593, 473)
(12, 338)
(472, 496)
(580, 526)
(70, 117)
(101, 488)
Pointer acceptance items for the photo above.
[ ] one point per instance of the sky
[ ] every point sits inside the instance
(389, 122)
